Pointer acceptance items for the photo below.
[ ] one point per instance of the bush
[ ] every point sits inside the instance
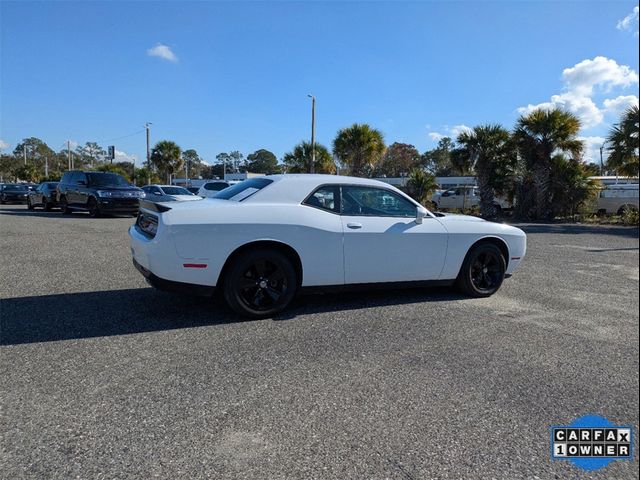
(631, 217)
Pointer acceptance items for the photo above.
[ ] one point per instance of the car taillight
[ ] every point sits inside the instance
(148, 224)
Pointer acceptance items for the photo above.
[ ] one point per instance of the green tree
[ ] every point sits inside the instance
(27, 173)
(193, 163)
(299, 159)
(117, 168)
(91, 153)
(623, 141)
(421, 185)
(398, 160)
(166, 158)
(262, 161)
(438, 161)
(491, 153)
(571, 186)
(358, 148)
(539, 135)
(237, 161)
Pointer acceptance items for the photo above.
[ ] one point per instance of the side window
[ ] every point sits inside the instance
(371, 201)
(325, 198)
(216, 186)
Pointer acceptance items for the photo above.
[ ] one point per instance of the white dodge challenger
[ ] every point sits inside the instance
(262, 240)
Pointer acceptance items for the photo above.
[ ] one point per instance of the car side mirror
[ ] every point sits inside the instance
(421, 212)
(157, 193)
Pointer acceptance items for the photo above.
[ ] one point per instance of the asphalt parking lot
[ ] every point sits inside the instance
(101, 376)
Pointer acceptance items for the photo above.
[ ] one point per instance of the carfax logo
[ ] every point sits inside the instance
(591, 442)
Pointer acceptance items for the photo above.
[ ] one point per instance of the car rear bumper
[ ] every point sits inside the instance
(171, 286)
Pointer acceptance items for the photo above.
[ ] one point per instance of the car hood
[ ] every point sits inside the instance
(185, 198)
(451, 217)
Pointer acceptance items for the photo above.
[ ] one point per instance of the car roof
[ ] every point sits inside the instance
(295, 187)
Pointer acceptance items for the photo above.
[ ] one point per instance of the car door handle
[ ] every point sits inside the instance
(354, 225)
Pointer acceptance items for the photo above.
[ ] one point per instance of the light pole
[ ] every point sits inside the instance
(601, 162)
(148, 165)
(313, 134)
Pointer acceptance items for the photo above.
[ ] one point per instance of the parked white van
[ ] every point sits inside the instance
(460, 198)
(617, 198)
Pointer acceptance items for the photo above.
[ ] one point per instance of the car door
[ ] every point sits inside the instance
(383, 242)
(37, 197)
(82, 189)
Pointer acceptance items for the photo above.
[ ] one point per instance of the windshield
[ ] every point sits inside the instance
(175, 191)
(107, 180)
(243, 190)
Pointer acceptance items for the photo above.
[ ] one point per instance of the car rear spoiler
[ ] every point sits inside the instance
(156, 207)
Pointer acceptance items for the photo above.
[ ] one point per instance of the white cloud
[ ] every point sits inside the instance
(616, 106)
(162, 51)
(580, 84)
(3, 145)
(451, 132)
(601, 71)
(591, 153)
(630, 22)
(125, 157)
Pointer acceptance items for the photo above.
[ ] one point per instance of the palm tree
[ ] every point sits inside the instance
(165, 157)
(359, 147)
(488, 147)
(623, 144)
(421, 185)
(540, 135)
(298, 160)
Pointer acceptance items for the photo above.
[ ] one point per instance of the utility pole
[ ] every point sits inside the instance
(69, 154)
(46, 167)
(313, 134)
(24, 153)
(147, 128)
(601, 162)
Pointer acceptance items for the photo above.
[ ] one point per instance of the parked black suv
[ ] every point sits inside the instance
(98, 193)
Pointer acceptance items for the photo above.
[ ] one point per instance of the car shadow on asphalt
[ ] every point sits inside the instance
(81, 315)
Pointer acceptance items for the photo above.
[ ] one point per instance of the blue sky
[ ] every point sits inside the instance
(221, 76)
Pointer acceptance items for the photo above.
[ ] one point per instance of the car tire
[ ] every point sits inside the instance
(29, 204)
(64, 205)
(482, 271)
(46, 206)
(2, 200)
(260, 284)
(94, 210)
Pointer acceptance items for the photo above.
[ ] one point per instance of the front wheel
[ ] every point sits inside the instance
(482, 271)
(29, 204)
(260, 284)
(64, 206)
(94, 210)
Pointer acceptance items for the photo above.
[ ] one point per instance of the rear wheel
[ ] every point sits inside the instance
(260, 284)
(46, 205)
(29, 204)
(483, 271)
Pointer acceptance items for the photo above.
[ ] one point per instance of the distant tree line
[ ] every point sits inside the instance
(538, 163)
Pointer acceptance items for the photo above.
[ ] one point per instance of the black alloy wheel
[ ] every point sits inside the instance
(94, 210)
(260, 284)
(64, 205)
(483, 271)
